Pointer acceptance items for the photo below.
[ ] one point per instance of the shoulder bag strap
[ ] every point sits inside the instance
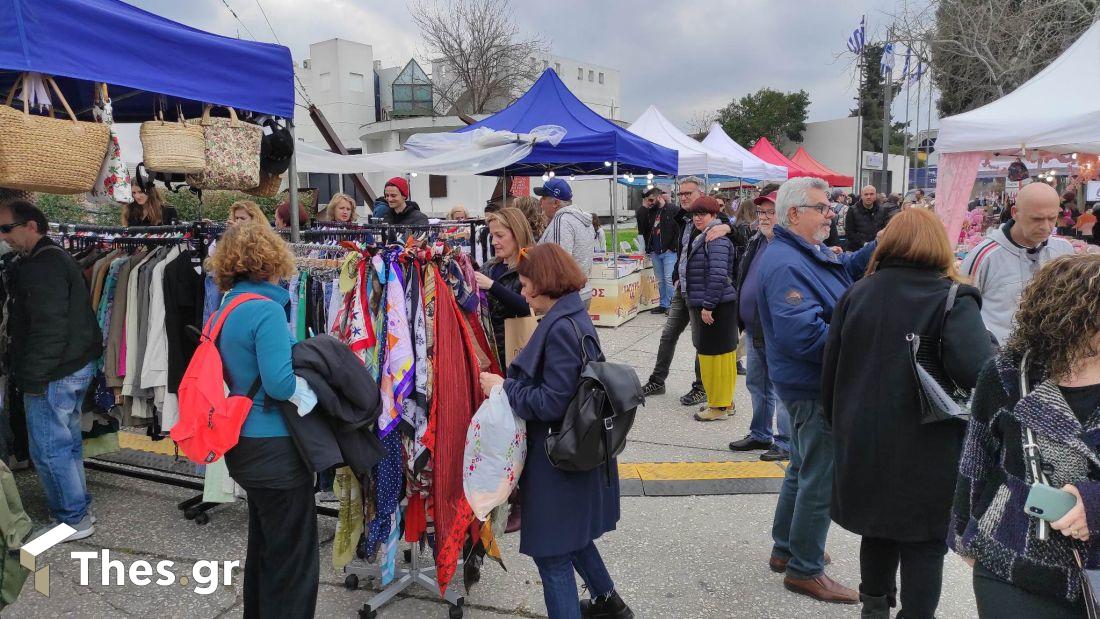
(582, 339)
(214, 323)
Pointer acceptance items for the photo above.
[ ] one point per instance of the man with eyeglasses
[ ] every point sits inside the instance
(767, 408)
(691, 189)
(54, 342)
(658, 225)
(801, 281)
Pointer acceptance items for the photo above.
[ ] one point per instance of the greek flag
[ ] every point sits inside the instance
(905, 67)
(917, 73)
(887, 63)
(858, 38)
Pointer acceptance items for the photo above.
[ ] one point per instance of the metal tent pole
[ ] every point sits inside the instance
(295, 231)
(614, 218)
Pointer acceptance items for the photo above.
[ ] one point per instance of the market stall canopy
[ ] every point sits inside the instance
(1034, 116)
(693, 156)
(806, 161)
(754, 167)
(766, 151)
(142, 57)
(590, 139)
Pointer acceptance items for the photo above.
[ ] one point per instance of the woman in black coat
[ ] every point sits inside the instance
(509, 233)
(894, 477)
(563, 512)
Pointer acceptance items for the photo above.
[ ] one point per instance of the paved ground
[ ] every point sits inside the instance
(687, 556)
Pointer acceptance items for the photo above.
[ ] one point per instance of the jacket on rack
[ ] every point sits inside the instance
(341, 427)
(562, 511)
(52, 328)
(411, 216)
(872, 403)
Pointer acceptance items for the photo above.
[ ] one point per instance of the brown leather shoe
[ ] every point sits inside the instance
(779, 565)
(822, 588)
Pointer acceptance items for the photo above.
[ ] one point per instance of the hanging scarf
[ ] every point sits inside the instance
(398, 379)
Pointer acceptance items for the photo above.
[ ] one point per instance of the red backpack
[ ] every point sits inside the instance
(210, 421)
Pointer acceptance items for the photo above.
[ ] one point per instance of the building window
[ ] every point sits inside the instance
(580, 73)
(437, 186)
(591, 75)
(557, 68)
(326, 81)
(357, 84)
(601, 78)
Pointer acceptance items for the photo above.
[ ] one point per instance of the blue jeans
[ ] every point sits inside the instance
(663, 265)
(766, 405)
(559, 587)
(802, 514)
(53, 427)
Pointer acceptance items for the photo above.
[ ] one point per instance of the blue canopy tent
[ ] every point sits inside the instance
(590, 139)
(142, 57)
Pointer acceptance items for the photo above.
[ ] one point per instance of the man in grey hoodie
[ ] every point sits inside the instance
(1003, 264)
(567, 226)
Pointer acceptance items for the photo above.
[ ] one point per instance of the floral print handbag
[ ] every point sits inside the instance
(232, 153)
(113, 184)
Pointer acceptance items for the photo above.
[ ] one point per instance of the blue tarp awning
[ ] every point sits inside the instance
(590, 139)
(141, 56)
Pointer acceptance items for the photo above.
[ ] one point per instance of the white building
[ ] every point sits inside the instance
(835, 144)
(357, 95)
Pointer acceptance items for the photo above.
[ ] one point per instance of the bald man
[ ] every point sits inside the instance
(864, 219)
(1003, 264)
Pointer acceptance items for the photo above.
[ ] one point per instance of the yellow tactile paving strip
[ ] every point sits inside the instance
(643, 471)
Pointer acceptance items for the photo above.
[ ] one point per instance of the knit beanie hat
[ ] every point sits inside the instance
(401, 184)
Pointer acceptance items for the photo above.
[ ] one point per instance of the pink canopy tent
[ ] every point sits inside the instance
(770, 154)
(835, 179)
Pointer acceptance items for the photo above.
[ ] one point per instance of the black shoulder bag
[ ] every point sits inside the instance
(941, 399)
(600, 415)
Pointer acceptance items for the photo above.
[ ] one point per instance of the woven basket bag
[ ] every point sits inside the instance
(46, 154)
(232, 153)
(268, 187)
(173, 147)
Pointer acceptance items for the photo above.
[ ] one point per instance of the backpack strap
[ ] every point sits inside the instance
(214, 324)
(582, 338)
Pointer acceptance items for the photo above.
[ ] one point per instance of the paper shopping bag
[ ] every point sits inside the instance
(517, 331)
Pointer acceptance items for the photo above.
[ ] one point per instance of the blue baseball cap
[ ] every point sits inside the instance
(555, 188)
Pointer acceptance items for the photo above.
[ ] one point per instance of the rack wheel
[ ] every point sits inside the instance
(455, 611)
(202, 518)
(351, 582)
(191, 512)
(408, 555)
(359, 552)
(367, 612)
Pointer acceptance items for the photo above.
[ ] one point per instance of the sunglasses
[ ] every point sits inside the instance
(523, 252)
(7, 228)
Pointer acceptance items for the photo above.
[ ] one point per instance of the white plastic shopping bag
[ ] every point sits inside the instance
(496, 447)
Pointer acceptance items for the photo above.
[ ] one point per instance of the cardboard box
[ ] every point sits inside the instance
(650, 293)
(614, 301)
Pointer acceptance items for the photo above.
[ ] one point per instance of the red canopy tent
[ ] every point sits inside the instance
(764, 149)
(835, 179)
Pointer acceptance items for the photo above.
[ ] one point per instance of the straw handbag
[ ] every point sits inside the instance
(173, 147)
(51, 155)
(232, 153)
(268, 187)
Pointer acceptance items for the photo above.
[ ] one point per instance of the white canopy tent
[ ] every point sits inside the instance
(1031, 121)
(694, 157)
(753, 166)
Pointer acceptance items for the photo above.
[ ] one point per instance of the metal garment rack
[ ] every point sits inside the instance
(413, 573)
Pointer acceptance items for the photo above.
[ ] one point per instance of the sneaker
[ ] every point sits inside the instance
(660, 310)
(653, 388)
(696, 396)
(609, 606)
(84, 528)
(749, 444)
(711, 414)
(775, 454)
(326, 496)
(741, 371)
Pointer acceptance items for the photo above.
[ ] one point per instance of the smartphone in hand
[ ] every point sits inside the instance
(1048, 503)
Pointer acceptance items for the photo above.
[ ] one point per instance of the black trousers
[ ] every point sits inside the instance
(998, 598)
(677, 321)
(282, 566)
(921, 573)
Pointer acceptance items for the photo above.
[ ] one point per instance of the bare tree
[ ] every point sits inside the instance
(700, 122)
(981, 50)
(480, 59)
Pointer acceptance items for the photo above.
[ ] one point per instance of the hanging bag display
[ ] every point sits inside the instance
(941, 399)
(232, 153)
(47, 154)
(268, 187)
(173, 147)
(113, 184)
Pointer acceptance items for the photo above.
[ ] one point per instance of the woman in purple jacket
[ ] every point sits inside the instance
(706, 272)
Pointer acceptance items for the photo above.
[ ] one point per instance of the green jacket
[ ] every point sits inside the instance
(53, 330)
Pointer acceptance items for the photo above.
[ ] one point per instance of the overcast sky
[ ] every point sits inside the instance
(682, 56)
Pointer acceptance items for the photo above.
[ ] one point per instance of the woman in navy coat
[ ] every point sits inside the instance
(563, 512)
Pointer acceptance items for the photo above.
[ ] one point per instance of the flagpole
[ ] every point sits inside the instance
(928, 128)
(905, 143)
(886, 112)
(916, 149)
(859, 129)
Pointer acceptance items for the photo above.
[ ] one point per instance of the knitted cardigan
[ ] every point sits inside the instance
(988, 522)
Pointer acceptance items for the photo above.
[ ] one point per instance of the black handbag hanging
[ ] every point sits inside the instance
(941, 399)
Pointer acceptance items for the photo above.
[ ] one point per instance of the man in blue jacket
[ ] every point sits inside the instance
(801, 282)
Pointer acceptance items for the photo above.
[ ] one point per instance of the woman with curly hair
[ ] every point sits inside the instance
(1058, 329)
(246, 211)
(531, 210)
(282, 564)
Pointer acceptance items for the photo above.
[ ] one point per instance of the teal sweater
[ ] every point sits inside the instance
(255, 341)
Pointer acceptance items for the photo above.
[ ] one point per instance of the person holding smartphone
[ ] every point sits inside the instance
(1016, 574)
